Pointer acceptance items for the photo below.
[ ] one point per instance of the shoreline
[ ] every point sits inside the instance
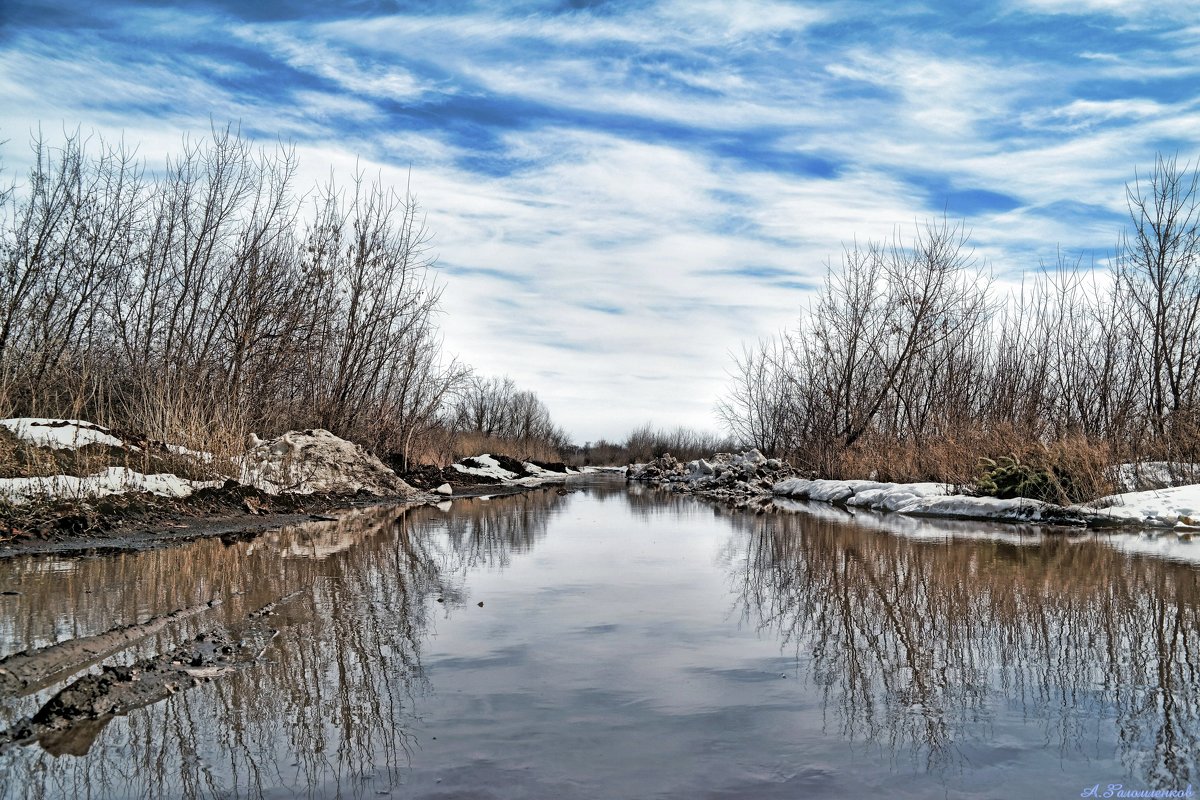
(163, 524)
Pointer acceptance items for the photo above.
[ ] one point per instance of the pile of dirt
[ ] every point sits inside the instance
(730, 477)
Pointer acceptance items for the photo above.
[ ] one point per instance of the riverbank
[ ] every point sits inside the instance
(749, 480)
(71, 485)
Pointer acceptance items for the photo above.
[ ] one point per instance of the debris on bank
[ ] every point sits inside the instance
(730, 477)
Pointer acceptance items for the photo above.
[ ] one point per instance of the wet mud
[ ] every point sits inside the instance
(69, 722)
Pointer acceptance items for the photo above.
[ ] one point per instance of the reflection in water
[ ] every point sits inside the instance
(325, 711)
(914, 641)
(496, 529)
(929, 647)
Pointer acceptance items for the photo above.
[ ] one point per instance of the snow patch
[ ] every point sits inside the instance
(114, 480)
(60, 434)
(486, 466)
(914, 499)
(1157, 508)
(1161, 508)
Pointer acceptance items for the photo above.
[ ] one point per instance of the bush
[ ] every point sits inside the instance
(1066, 472)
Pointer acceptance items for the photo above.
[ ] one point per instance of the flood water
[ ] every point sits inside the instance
(630, 644)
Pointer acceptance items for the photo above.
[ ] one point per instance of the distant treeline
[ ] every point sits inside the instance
(647, 442)
(910, 364)
(213, 297)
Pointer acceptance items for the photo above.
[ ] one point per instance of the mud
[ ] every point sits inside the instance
(139, 522)
(27, 672)
(69, 721)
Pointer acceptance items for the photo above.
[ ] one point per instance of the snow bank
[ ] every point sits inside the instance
(114, 480)
(919, 499)
(304, 462)
(488, 466)
(301, 462)
(484, 466)
(60, 434)
(1161, 508)
(1158, 508)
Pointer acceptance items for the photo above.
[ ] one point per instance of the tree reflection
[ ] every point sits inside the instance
(324, 712)
(487, 533)
(915, 642)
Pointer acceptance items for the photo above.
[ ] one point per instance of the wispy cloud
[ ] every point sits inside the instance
(622, 193)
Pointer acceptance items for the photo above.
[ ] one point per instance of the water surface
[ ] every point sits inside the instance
(633, 644)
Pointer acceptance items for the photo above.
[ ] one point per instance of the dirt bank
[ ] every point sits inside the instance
(143, 521)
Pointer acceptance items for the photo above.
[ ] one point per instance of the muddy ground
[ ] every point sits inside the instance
(69, 722)
(232, 512)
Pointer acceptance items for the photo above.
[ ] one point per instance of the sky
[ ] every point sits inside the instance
(624, 194)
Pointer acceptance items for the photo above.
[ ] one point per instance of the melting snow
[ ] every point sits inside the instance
(1159, 508)
(114, 480)
(60, 434)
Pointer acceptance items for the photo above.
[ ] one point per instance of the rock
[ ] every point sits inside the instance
(445, 488)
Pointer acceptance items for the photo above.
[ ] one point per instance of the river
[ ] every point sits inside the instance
(605, 642)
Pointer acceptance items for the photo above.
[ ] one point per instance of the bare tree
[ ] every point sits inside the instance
(1158, 280)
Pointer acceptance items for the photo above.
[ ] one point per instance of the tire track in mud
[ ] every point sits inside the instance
(27, 672)
(69, 721)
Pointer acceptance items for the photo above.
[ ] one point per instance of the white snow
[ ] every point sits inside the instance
(1160, 508)
(60, 434)
(913, 499)
(489, 467)
(1145, 475)
(114, 480)
(1178, 506)
(199, 455)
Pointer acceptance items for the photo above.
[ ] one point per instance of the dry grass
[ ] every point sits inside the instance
(472, 444)
(957, 458)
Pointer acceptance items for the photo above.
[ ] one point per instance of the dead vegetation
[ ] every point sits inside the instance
(913, 365)
(213, 297)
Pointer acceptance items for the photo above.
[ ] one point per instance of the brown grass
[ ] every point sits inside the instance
(955, 458)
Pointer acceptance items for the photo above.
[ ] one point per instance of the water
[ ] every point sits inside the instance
(633, 645)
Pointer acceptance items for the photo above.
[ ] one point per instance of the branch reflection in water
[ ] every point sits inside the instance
(915, 634)
(325, 710)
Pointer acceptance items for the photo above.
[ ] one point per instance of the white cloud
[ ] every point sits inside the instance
(616, 200)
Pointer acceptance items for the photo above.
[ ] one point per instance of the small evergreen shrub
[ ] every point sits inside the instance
(1008, 477)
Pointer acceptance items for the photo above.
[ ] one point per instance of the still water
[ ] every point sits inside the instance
(630, 644)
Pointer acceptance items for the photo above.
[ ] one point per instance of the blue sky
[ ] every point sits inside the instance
(623, 193)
